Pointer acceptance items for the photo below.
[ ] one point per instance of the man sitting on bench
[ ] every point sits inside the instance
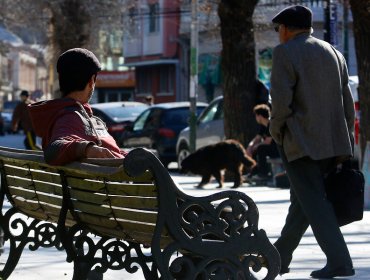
(67, 126)
(262, 145)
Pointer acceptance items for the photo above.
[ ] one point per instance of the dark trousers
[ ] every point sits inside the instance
(309, 206)
(262, 152)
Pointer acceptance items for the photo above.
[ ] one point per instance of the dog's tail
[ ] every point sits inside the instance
(248, 161)
(245, 158)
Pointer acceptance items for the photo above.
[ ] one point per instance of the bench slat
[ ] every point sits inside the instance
(135, 235)
(120, 226)
(47, 210)
(105, 210)
(37, 197)
(31, 185)
(122, 188)
(118, 201)
(32, 173)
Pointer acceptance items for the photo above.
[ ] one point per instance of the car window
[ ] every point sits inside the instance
(220, 111)
(154, 119)
(176, 117)
(140, 122)
(124, 112)
(179, 116)
(100, 115)
(213, 112)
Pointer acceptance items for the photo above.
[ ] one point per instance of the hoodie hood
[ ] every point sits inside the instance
(44, 113)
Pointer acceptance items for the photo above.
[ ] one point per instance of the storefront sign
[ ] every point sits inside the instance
(114, 79)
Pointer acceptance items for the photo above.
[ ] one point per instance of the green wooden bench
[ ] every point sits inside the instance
(129, 214)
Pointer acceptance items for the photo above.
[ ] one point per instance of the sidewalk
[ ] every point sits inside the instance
(272, 204)
(45, 264)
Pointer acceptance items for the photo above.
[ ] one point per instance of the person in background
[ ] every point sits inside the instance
(312, 122)
(67, 126)
(263, 95)
(149, 99)
(21, 118)
(262, 145)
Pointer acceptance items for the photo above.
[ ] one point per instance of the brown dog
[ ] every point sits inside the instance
(211, 159)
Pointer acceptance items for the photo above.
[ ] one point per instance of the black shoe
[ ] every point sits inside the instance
(328, 272)
(284, 269)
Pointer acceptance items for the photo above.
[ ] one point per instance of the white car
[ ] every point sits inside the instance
(209, 129)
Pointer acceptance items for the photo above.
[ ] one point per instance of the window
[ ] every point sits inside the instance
(166, 79)
(132, 21)
(144, 78)
(153, 18)
(214, 112)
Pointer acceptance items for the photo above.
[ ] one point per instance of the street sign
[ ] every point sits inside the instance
(330, 22)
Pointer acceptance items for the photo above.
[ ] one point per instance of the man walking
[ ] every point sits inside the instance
(312, 122)
(21, 117)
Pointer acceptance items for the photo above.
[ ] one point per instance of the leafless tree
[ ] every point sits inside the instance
(67, 23)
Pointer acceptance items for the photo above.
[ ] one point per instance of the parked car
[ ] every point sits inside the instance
(353, 83)
(117, 115)
(158, 128)
(209, 129)
(7, 115)
(6, 118)
(210, 126)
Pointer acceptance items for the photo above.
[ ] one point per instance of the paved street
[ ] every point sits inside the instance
(272, 204)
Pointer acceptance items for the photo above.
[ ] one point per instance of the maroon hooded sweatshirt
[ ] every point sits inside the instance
(66, 130)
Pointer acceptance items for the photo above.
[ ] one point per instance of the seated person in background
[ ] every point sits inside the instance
(149, 99)
(262, 145)
(67, 126)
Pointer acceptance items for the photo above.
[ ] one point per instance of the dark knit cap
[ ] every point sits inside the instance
(24, 93)
(294, 16)
(77, 61)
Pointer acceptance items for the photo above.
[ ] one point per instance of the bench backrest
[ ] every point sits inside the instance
(102, 196)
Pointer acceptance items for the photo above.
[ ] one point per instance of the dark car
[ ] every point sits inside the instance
(7, 115)
(117, 115)
(158, 128)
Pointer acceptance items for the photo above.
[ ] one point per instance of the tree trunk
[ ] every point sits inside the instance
(238, 67)
(361, 27)
(71, 24)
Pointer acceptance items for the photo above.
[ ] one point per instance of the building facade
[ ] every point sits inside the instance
(157, 45)
(151, 46)
(21, 68)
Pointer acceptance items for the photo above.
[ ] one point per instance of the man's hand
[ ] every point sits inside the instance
(93, 151)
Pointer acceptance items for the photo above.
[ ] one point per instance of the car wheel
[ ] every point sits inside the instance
(183, 153)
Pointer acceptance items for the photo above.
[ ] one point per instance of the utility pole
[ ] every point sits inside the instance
(330, 22)
(193, 74)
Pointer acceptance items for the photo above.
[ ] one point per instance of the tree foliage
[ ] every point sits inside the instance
(361, 27)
